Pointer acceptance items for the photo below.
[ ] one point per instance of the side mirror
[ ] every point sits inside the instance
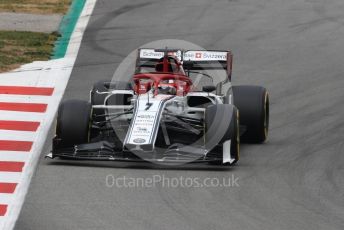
(208, 88)
(109, 85)
(188, 65)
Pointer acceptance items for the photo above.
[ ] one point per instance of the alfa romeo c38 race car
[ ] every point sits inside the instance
(178, 107)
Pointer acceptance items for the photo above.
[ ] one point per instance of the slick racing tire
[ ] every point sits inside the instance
(253, 105)
(222, 136)
(73, 123)
(99, 93)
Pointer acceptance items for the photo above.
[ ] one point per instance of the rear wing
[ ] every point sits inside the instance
(191, 59)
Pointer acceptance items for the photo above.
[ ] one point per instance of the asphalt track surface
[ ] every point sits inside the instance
(295, 181)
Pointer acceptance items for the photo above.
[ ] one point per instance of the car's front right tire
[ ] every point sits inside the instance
(222, 138)
(253, 105)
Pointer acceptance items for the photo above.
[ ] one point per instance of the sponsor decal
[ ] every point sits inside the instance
(205, 56)
(145, 116)
(139, 140)
(191, 55)
(151, 54)
(143, 127)
(145, 123)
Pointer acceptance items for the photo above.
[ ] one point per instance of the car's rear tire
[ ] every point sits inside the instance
(73, 123)
(253, 105)
(222, 128)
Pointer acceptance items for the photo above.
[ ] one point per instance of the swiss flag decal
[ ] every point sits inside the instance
(198, 55)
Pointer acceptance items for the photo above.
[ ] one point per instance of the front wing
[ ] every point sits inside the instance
(106, 151)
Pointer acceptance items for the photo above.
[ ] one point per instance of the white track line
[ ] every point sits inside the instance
(78, 33)
(6, 198)
(10, 79)
(21, 116)
(10, 177)
(17, 135)
(13, 156)
(25, 99)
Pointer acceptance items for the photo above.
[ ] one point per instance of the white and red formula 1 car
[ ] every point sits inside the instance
(179, 106)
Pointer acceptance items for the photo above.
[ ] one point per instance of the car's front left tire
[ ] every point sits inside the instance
(73, 123)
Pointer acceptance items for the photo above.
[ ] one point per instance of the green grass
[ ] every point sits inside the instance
(35, 6)
(17, 48)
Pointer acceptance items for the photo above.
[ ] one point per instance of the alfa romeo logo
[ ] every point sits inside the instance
(139, 140)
